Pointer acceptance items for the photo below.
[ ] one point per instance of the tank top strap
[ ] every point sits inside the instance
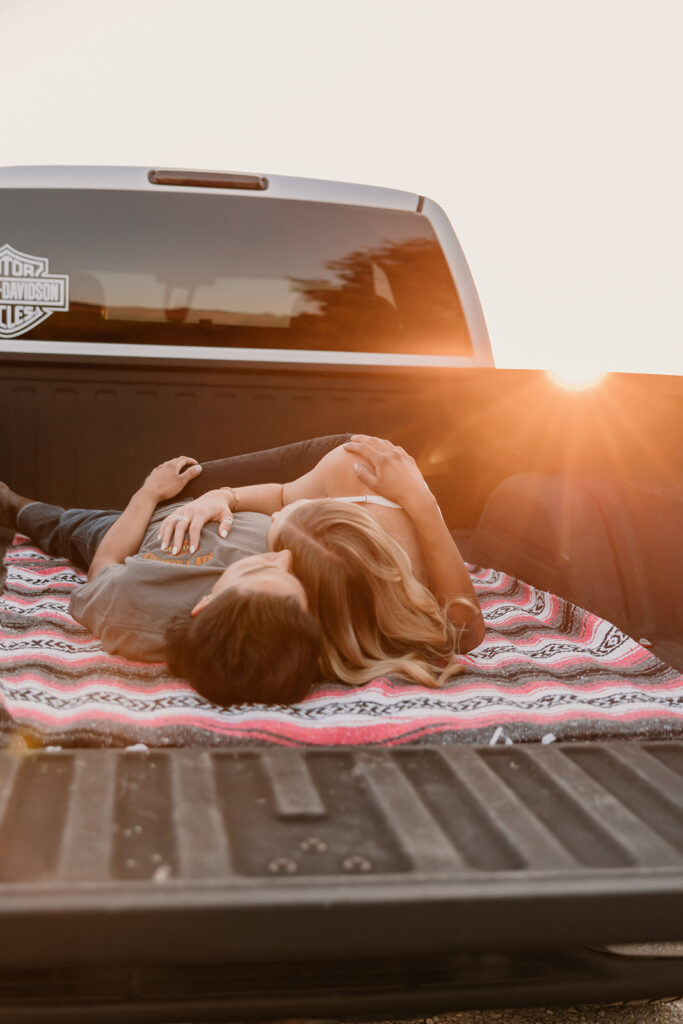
(372, 499)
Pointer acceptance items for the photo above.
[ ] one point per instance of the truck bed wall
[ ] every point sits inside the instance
(84, 434)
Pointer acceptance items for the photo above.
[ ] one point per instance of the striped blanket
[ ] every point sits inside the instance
(546, 670)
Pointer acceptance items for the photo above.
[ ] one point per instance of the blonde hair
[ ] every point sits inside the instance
(376, 618)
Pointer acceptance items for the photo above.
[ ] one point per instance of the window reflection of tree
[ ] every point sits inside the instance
(397, 297)
(393, 297)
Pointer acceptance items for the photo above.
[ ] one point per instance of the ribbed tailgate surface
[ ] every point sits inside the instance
(195, 856)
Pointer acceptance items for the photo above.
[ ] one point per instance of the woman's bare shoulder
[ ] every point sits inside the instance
(339, 476)
(341, 481)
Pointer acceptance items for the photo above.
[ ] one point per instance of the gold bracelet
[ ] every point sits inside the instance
(235, 498)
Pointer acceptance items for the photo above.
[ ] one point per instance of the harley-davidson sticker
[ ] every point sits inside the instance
(28, 294)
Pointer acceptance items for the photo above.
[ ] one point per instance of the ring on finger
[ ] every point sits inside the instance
(183, 519)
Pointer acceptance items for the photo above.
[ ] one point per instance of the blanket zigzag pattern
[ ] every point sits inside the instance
(546, 670)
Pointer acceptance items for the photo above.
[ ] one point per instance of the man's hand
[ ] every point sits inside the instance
(170, 477)
(214, 506)
(388, 470)
(125, 536)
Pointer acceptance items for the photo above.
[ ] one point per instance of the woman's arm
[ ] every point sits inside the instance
(126, 535)
(218, 506)
(390, 471)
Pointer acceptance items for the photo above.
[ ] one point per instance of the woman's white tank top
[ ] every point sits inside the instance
(373, 499)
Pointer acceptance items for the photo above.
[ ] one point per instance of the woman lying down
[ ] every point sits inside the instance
(255, 593)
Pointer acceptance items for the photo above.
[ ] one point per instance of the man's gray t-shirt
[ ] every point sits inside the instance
(130, 606)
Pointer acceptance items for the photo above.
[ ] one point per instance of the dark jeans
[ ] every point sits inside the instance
(75, 533)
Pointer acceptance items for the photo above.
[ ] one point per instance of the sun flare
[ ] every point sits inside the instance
(575, 378)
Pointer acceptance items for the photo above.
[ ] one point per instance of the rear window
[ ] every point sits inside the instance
(224, 271)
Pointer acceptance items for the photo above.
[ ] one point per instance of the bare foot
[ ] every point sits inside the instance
(10, 503)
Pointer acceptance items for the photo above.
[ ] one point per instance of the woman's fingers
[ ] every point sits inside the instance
(367, 470)
(225, 525)
(196, 525)
(182, 523)
(172, 531)
(388, 470)
(377, 451)
(188, 522)
(194, 532)
(367, 476)
(377, 443)
(366, 450)
(165, 531)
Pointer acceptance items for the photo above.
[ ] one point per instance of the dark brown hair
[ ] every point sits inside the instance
(247, 648)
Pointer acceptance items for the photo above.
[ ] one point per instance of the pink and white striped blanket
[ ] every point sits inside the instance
(546, 670)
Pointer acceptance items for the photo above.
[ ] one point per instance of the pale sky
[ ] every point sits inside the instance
(549, 131)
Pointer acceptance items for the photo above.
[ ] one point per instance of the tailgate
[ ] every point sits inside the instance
(267, 877)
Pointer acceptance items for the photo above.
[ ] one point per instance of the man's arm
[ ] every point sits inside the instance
(127, 533)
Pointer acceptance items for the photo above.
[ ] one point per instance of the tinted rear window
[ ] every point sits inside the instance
(230, 271)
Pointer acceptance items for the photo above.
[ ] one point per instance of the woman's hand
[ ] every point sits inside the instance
(168, 479)
(212, 507)
(388, 470)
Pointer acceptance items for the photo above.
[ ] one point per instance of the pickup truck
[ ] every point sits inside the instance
(144, 312)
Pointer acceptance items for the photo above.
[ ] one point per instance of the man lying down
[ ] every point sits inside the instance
(253, 593)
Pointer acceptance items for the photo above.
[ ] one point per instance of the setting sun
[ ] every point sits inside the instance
(575, 378)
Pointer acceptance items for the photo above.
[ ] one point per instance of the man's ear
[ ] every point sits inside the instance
(201, 604)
